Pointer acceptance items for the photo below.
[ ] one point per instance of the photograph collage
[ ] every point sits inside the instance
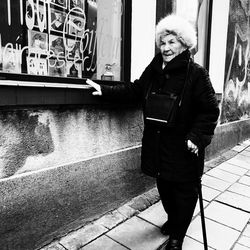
(54, 40)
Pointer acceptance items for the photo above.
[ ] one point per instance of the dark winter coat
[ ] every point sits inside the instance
(164, 150)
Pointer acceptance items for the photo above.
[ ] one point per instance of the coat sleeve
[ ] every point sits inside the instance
(207, 111)
(132, 91)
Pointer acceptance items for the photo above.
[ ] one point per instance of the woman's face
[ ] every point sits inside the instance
(170, 47)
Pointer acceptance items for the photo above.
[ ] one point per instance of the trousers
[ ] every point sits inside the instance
(179, 200)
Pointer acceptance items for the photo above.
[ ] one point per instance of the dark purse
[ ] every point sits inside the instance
(162, 108)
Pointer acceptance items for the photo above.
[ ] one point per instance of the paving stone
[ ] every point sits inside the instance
(227, 215)
(246, 231)
(246, 142)
(53, 246)
(245, 241)
(127, 211)
(241, 161)
(223, 175)
(232, 168)
(209, 193)
(192, 244)
(79, 238)
(139, 203)
(243, 158)
(239, 148)
(220, 159)
(111, 219)
(197, 207)
(154, 214)
(245, 180)
(137, 234)
(104, 243)
(229, 154)
(215, 183)
(162, 246)
(240, 247)
(245, 153)
(218, 236)
(240, 189)
(152, 195)
(235, 200)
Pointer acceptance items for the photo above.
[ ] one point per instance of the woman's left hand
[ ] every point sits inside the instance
(192, 147)
(96, 86)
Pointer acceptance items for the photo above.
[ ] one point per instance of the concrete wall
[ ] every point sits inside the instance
(63, 167)
(227, 136)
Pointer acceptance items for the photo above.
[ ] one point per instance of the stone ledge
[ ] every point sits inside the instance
(111, 219)
(77, 239)
(127, 211)
(54, 246)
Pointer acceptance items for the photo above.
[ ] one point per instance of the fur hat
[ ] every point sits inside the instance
(173, 24)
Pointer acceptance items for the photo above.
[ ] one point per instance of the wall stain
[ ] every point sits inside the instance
(31, 138)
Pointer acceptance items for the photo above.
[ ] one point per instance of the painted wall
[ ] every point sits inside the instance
(236, 101)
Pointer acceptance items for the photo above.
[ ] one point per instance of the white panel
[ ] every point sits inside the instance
(143, 35)
(187, 9)
(218, 43)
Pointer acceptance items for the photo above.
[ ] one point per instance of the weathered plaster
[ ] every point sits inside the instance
(38, 139)
(21, 135)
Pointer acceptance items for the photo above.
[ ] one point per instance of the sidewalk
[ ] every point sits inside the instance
(136, 225)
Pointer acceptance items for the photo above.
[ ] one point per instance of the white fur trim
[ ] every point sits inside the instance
(173, 23)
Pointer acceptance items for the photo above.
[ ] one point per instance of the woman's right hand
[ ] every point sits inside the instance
(96, 86)
(192, 147)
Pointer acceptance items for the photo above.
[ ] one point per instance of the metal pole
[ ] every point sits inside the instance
(202, 216)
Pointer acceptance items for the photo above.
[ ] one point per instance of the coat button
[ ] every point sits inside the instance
(158, 131)
(167, 76)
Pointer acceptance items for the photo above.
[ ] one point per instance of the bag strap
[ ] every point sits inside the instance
(148, 90)
(185, 83)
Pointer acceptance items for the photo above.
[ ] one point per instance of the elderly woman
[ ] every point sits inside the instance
(180, 115)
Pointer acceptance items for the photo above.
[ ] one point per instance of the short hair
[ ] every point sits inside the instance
(178, 26)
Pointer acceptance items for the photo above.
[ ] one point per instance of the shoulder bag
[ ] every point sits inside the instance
(162, 108)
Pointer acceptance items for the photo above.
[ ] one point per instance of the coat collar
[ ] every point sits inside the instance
(176, 63)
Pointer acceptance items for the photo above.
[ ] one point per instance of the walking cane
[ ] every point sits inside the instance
(202, 212)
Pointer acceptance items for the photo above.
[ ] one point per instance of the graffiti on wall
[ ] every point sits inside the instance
(53, 37)
(236, 100)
